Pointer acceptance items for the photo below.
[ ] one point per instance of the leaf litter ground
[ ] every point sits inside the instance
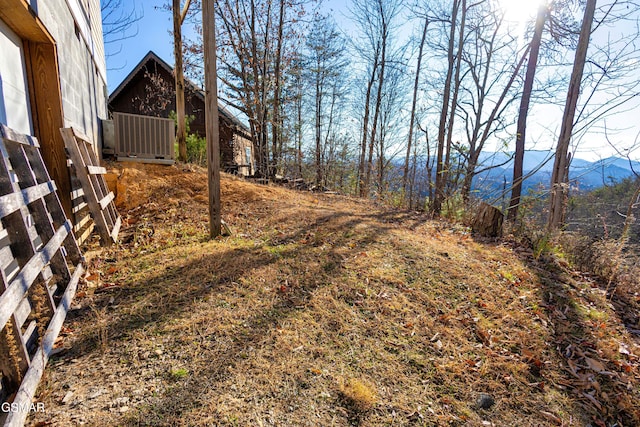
(324, 310)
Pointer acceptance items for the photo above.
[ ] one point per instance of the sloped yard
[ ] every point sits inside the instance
(321, 310)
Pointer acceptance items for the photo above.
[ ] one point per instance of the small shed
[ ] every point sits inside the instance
(149, 90)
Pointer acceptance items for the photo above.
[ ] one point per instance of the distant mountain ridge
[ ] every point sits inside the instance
(584, 175)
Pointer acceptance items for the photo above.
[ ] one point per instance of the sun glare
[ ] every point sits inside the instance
(520, 11)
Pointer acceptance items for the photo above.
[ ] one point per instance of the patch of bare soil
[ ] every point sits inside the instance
(322, 310)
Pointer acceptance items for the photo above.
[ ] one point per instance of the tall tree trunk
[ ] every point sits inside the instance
(413, 175)
(429, 168)
(327, 139)
(518, 162)
(365, 128)
(276, 126)
(376, 114)
(454, 100)
(438, 197)
(559, 177)
(181, 136)
(264, 75)
(255, 88)
(211, 114)
(258, 83)
(318, 124)
(299, 131)
(405, 174)
(374, 127)
(381, 160)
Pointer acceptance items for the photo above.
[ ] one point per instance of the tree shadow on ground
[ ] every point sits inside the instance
(627, 305)
(170, 294)
(592, 371)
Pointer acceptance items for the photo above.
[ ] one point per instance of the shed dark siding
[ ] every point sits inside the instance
(132, 98)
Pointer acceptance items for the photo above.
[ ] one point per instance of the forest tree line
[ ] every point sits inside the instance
(402, 101)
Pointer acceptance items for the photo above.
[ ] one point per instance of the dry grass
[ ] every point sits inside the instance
(359, 395)
(323, 310)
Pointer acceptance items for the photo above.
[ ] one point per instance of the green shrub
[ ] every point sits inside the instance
(196, 146)
(453, 208)
(196, 149)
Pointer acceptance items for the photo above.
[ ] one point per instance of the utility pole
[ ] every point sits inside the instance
(211, 115)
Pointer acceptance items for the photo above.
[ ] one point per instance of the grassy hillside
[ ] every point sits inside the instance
(321, 310)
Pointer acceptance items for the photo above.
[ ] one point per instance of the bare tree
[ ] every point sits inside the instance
(391, 136)
(119, 23)
(325, 64)
(276, 126)
(429, 163)
(372, 70)
(446, 172)
(560, 174)
(375, 20)
(294, 98)
(492, 67)
(244, 72)
(255, 51)
(179, 14)
(609, 85)
(383, 39)
(452, 24)
(534, 49)
(412, 118)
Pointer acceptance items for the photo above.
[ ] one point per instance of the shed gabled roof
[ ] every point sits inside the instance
(152, 56)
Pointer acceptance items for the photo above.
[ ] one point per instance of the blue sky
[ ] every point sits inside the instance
(154, 34)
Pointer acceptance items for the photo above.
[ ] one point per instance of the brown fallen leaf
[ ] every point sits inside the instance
(595, 365)
(551, 417)
(92, 277)
(600, 423)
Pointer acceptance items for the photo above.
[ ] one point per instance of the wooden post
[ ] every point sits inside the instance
(211, 114)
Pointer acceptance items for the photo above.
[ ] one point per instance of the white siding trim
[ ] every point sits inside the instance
(15, 110)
